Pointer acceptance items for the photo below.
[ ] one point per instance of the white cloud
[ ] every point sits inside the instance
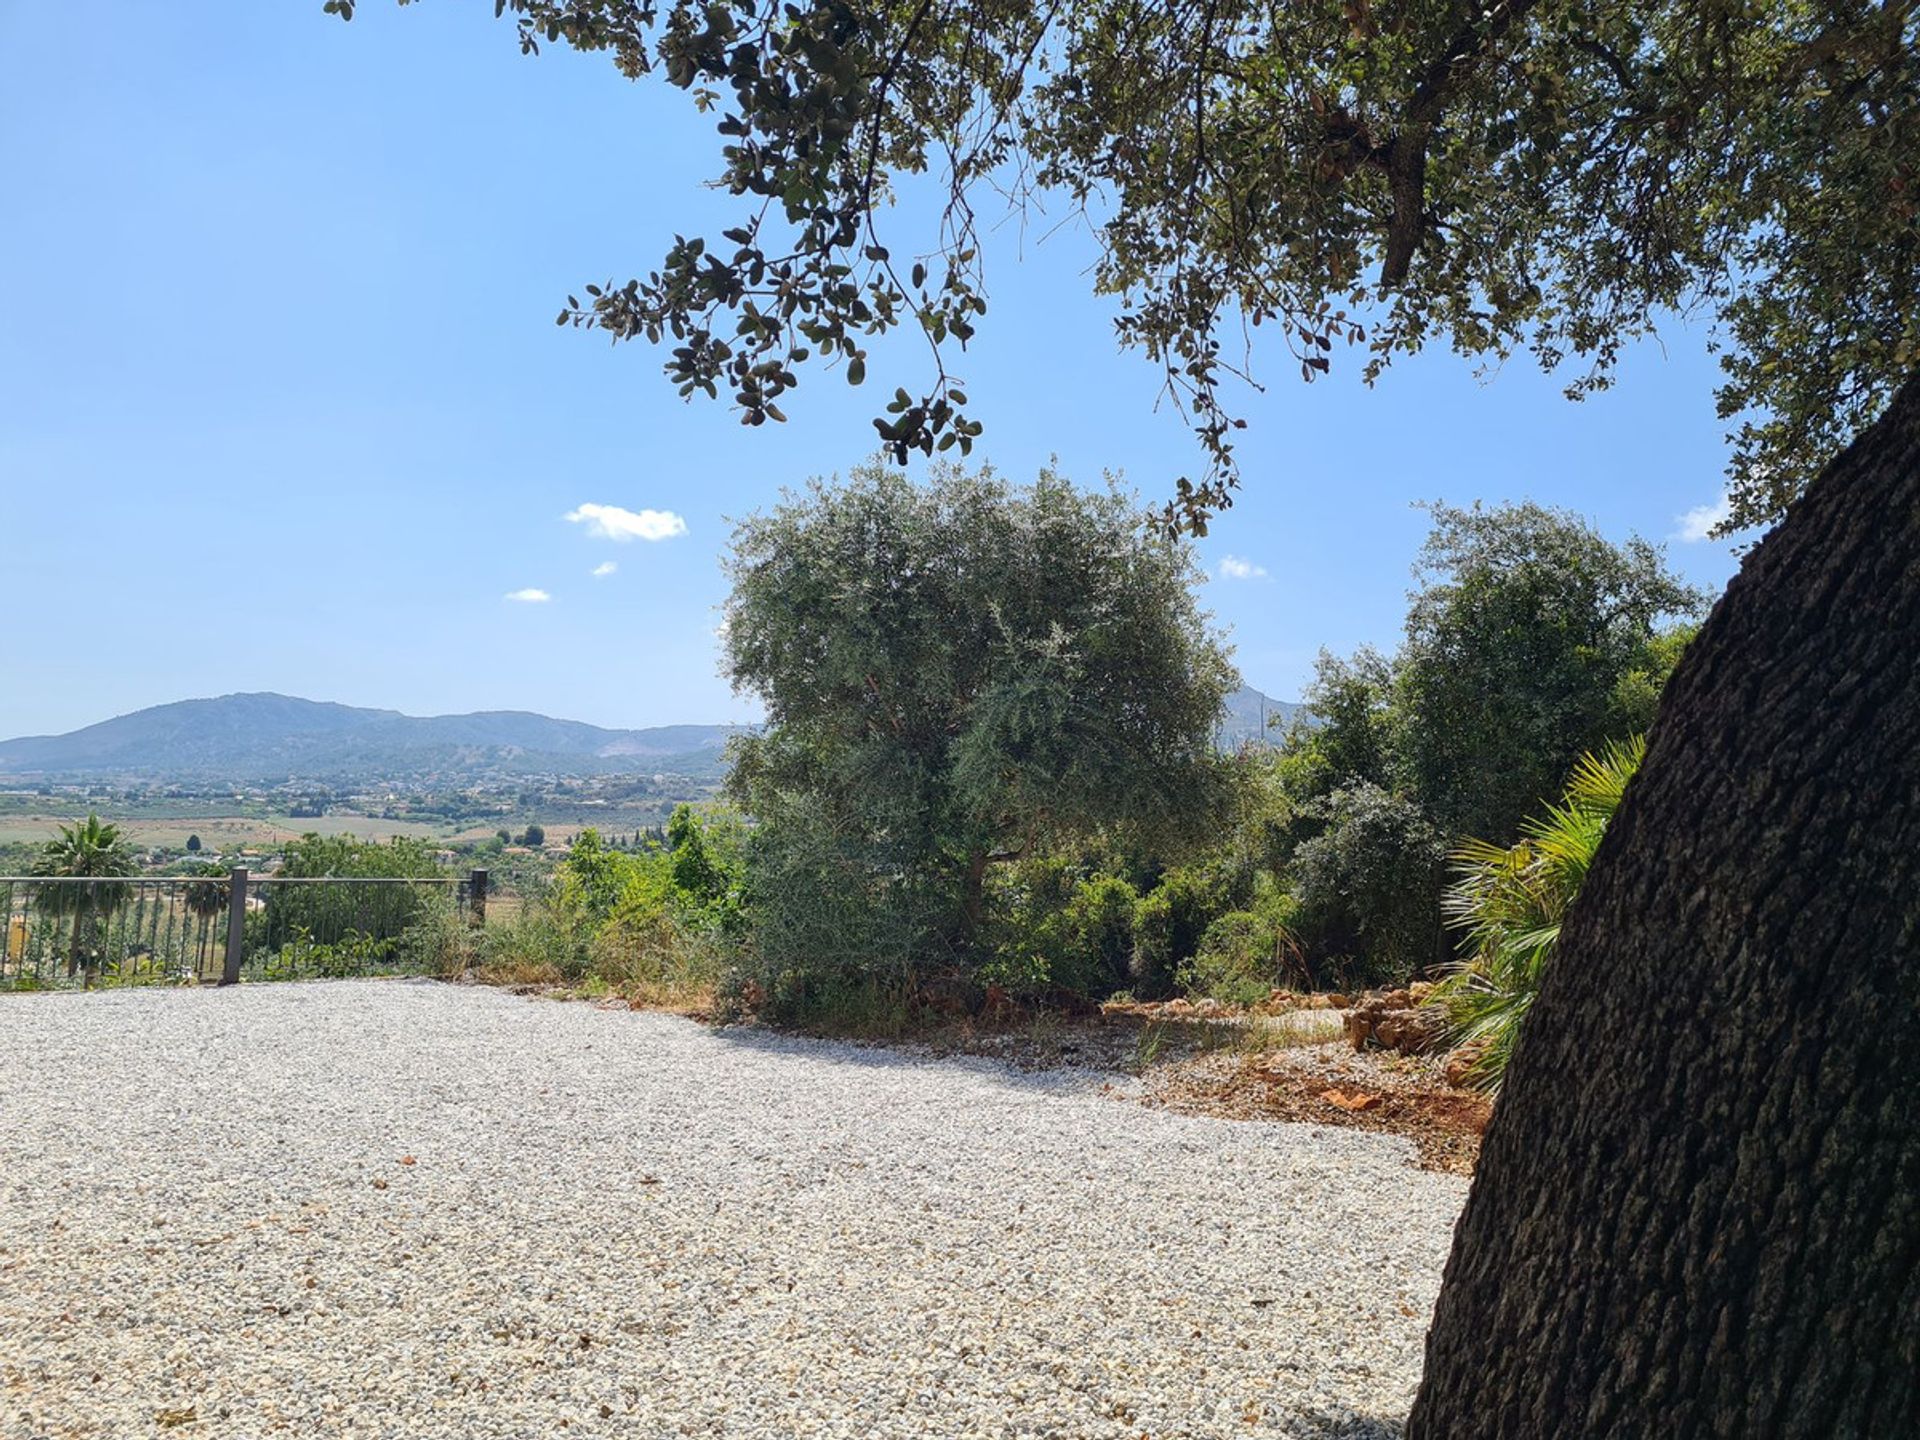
(1698, 523)
(529, 596)
(611, 522)
(603, 569)
(1232, 567)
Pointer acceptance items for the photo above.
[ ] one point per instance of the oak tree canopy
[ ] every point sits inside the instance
(1517, 175)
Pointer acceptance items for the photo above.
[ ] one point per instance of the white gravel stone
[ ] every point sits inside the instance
(625, 1224)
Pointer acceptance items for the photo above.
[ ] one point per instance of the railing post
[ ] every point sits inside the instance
(236, 924)
(476, 898)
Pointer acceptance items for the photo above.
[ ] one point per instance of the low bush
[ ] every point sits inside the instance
(839, 927)
(1060, 929)
(1244, 954)
(654, 924)
(1168, 925)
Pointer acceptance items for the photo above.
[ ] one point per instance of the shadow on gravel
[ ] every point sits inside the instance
(1064, 1078)
(1350, 1426)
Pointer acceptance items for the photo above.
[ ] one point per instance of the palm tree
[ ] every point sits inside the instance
(91, 850)
(1510, 901)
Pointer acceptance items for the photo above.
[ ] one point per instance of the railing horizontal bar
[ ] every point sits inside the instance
(253, 879)
(221, 877)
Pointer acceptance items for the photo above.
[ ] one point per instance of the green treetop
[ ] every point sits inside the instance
(966, 671)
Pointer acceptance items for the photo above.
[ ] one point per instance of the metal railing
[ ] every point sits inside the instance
(63, 931)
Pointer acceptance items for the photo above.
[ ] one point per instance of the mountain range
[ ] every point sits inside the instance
(268, 737)
(275, 737)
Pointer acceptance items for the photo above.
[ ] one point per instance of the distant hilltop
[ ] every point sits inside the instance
(268, 737)
(1253, 716)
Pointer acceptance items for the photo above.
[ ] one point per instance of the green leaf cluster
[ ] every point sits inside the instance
(1560, 179)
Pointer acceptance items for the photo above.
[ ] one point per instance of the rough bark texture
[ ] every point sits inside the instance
(1697, 1211)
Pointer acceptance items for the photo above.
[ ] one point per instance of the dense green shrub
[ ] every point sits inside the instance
(1101, 923)
(1238, 960)
(605, 884)
(1244, 954)
(706, 866)
(840, 926)
(1168, 925)
(1368, 887)
(1059, 928)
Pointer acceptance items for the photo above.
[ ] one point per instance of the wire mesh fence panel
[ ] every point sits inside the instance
(73, 932)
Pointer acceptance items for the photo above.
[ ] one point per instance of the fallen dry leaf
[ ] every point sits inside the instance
(1355, 1100)
(408, 1160)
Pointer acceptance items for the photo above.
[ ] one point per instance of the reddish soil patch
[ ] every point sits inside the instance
(1329, 1085)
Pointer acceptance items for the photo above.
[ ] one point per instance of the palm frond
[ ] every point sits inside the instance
(1510, 901)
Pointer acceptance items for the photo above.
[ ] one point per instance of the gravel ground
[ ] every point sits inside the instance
(365, 1208)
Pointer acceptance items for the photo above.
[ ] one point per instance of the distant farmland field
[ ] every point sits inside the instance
(219, 832)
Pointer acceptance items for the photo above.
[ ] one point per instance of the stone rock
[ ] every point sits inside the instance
(1409, 1029)
(1359, 1029)
(1461, 1062)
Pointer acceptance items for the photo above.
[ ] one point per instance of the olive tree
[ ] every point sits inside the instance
(963, 672)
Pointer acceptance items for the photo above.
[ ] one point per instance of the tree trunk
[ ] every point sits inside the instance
(1698, 1207)
(973, 894)
(75, 937)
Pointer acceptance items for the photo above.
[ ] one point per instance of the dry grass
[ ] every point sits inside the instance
(525, 977)
(226, 832)
(656, 964)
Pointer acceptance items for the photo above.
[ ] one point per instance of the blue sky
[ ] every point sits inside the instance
(282, 406)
